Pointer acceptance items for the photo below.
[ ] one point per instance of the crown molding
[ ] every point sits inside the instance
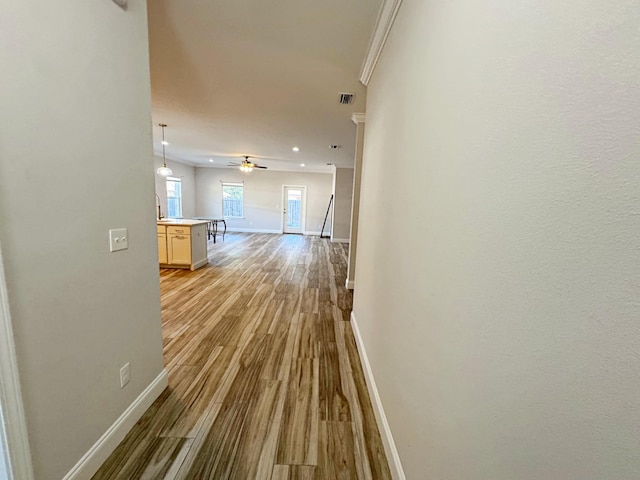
(386, 17)
(358, 118)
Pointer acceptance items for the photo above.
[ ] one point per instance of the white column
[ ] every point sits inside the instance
(359, 120)
(342, 204)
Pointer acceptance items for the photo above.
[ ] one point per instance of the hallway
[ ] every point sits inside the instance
(264, 376)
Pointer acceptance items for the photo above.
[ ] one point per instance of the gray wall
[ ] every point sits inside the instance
(186, 173)
(499, 306)
(263, 197)
(343, 198)
(75, 161)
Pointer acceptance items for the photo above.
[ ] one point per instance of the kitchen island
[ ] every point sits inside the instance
(182, 243)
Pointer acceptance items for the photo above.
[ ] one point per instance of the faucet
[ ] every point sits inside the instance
(160, 216)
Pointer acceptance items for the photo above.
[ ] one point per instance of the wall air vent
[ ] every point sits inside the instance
(334, 147)
(346, 98)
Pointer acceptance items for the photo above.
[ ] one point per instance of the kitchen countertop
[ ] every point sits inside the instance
(180, 221)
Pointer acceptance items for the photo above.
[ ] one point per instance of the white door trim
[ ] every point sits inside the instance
(13, 426)
(303, 210)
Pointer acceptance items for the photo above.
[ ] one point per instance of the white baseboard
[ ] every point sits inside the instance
(385, 432)
(250, 230)
(350, 284)
(199, 264)
(266, 230)
(340, 240)
(89, 464)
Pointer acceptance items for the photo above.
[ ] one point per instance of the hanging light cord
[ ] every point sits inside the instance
(164, 160)
(164, 170)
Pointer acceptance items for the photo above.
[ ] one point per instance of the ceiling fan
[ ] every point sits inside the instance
(246, 165)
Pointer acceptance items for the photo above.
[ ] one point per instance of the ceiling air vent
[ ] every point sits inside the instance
(346, 98)
(334, 147)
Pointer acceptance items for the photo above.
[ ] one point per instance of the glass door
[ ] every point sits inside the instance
(293, 209)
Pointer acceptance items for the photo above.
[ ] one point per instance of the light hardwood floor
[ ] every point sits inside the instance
(265, 379)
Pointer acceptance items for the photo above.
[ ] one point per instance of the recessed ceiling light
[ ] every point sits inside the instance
(296, 149)
(302, 164)
(164, 142)
(211, 160)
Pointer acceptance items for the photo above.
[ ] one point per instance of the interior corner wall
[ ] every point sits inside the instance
(498, 287)
(262, 197)
(76, 161)
(186, 173)
(342, 199)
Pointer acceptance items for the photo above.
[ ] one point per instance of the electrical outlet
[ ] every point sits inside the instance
(118, 239)
(125, 375)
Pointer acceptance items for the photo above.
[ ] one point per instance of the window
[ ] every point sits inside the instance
(174, 197)
(233, 200)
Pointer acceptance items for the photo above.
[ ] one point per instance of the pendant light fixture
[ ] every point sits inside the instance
(164, 170)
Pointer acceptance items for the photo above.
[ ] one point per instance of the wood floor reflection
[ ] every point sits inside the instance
(264, 374)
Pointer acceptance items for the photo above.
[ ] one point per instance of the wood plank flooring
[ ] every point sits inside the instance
(265, 380)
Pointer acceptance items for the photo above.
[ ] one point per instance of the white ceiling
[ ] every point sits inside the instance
(257, 77)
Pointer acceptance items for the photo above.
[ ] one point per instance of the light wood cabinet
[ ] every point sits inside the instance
(162, 248)
(179, 249)
(182, 245)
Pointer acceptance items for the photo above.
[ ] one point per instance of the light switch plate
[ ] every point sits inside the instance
(125, 375)
(118, 239)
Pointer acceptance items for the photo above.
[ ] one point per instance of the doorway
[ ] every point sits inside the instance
(294, 208)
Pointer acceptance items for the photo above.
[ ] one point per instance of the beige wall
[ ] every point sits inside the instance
(342, 198)
(499, 306)
(262, 197)
(75, 161)
(184, 172)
